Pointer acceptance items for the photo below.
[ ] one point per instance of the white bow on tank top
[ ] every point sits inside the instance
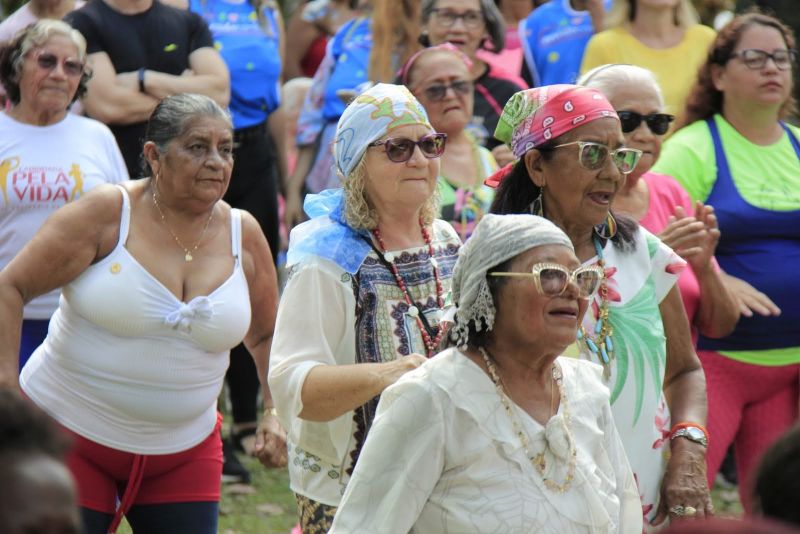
(127, 364)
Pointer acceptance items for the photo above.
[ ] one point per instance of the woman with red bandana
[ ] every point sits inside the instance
(572, 162)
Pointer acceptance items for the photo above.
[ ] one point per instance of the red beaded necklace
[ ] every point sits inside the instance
(413, 310)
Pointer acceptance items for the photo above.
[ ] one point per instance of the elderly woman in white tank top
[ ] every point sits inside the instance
(160, 278)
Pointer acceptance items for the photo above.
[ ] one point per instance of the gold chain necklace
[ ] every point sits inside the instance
(188, 257)
(537, 460)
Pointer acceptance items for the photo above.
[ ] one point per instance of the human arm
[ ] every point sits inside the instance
(70, 240)
(262, 283)
(208, 76)
(695, 239)
(293, 186)
(684, 480)
(114, 100)
(300, 34)
(399, 465)
(597, 12)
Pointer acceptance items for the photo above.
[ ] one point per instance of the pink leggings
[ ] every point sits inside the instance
(749, 406)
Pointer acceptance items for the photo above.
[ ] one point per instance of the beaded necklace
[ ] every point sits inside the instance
(538, 461)
(601, 345)
(413, 310)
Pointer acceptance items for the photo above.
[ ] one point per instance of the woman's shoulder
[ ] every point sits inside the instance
(87, 125)
(700, 33)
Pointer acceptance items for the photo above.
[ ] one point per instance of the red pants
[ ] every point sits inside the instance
(749, 406)
(105, 475)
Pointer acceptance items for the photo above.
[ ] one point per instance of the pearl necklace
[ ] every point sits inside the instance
(538, 461)
(601, 346)
(430, 344)
(188, 252)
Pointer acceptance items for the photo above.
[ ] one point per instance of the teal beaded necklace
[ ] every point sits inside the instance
(601, 346)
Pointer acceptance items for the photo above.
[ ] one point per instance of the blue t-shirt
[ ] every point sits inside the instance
(350, 49)
(554, 37)
(252, 53)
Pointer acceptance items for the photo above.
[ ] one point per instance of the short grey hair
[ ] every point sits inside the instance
(173, 114)
(33, 36)
(607, 78)
(495, 25)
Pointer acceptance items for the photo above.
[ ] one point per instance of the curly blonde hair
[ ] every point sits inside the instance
(359, 212)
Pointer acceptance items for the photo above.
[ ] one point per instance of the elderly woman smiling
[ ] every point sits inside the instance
(370, 276)
(572, 163)
(500, 434)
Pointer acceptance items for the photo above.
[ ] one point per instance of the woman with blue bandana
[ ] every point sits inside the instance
(369, 281)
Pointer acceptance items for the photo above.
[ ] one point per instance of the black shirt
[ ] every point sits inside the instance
(160, 39)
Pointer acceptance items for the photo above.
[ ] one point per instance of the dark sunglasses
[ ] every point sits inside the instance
(400, 149)
(48, 61)
(657, 122)
(437, 92)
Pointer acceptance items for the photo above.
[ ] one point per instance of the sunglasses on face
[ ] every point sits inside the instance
(400, 149)
(552, 279)
(593, 156)
(657, 122)
(755, 59)
(472, 19)
(48, 61)
(437, 92)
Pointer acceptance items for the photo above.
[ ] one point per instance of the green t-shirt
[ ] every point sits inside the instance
(767, 177)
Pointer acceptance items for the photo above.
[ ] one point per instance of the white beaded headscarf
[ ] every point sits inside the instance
(496, 239)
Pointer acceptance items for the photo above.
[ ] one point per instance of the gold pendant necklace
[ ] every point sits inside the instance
(188, 252)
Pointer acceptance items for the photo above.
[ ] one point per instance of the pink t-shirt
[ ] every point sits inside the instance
(665, 195)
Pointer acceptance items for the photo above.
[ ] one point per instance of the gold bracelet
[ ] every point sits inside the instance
(272, 411)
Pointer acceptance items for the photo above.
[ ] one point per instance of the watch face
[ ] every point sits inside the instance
(695, 433)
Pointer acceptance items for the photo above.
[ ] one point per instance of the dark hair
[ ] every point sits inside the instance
(705, 100)
(516, 193)
(495, 25)
(36, 34)
(476, 337)
(171, 116)
(25, 429)
(777, 480)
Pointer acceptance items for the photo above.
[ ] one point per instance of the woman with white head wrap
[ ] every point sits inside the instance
(369, 279)
(500, 433)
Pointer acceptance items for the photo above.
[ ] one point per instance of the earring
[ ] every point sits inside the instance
(608, 229)
(536, 207)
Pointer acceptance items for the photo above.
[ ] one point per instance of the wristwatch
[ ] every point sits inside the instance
(692, 433)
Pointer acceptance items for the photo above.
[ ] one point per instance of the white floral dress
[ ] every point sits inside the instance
(639, 280)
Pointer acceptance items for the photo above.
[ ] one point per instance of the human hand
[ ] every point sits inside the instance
(293, 210)
(401, 366)
(694, 238)
(270, 448)
(748, 298)
(503, 155)
(684, 488)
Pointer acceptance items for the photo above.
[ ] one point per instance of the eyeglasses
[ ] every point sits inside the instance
(552, 279)
(400, 149)
(755, 59)
(48, 61)
(472, 19)
(593, 156)
(657, 122)
(437, 92)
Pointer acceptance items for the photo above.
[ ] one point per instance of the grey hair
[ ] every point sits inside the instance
(495, 24)
(173, 114)
(29, 38)
(607, 78)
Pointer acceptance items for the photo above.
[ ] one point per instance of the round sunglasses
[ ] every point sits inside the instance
(551, 279)
(657, 122)
(48, 61)
(593, 156)
(400, 149)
